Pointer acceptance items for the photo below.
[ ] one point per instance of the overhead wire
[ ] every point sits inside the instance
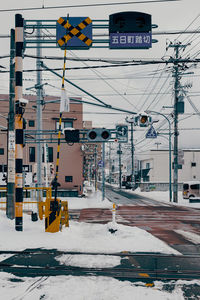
(108, 84)
(86, 5)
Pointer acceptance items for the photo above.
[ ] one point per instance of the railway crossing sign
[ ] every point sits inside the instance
(151, 133)
(74, 34)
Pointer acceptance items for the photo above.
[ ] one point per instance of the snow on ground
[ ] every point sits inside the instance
(80, 236)
(164, 197)
(80, 288)
(89, 261)
(83, 237)
(93, 199)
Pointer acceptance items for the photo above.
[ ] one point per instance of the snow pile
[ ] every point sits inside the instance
(89, 261)
(93, 200)
(80, 288)
(83, 237)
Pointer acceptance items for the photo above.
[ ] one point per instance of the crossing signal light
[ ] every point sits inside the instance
(98, 135)
(72, 136)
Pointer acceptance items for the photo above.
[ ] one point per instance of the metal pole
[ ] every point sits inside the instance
(176, 92)
(120, 170)
(170, 161)
(132, 154)
(10, 204)
(39, 115)
(103, 171)
(110, 163)
(95, 163)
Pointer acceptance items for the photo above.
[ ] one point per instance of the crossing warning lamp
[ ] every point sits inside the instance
(98, 135)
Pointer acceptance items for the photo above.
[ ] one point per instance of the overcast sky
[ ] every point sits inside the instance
(133, 88)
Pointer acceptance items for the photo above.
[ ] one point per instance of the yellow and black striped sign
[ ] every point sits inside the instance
(74, 31)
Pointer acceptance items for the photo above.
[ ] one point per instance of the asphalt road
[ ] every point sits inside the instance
(122, 196)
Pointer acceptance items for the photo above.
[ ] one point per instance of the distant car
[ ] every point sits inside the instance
(191, 189)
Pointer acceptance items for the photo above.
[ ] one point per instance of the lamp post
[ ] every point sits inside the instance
(170, 155)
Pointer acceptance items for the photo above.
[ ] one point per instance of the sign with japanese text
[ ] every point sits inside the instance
(140, 40)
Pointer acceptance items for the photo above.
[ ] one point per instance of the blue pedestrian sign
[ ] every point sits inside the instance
(151, 133)
(100, 163)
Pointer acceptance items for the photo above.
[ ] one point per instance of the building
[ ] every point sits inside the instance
(71, 156)
(155, 164)
(91, 157)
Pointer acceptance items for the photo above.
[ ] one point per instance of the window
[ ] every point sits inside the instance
(195, 186)
(64, 124)
(147, 165)
(50, 154)
(68, 178)
(31, 123)
(1, 151)
(185, 186)
(193, 164)
(50, 150)
(3, 168)
(32, 154)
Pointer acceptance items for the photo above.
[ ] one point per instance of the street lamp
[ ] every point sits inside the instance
(170, 155)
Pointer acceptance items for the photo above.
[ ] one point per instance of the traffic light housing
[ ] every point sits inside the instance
(98, 135)
(143, 120)
(72, 136)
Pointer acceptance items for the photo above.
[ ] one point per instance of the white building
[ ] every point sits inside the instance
(158, 163)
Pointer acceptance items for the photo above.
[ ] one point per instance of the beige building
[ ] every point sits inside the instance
(71, 156)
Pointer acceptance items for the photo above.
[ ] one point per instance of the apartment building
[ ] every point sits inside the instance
(71, 155)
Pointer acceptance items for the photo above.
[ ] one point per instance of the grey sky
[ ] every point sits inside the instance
(119, 86)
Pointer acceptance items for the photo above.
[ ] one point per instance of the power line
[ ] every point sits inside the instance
(86, 5)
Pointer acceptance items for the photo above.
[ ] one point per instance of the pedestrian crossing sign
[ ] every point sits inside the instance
(151, 133)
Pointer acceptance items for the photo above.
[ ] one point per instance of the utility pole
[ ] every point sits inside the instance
(177, 76)
(39, 114)
(110, 163)
(10, 203)
(132, 154)
(95, 166)
(176, 92)
(120, 163)
(103, 171)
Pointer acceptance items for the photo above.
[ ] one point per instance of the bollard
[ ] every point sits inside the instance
(113, 224)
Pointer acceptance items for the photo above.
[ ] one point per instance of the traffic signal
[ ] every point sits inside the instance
(144, 120)
(98, 135)
(71, 136)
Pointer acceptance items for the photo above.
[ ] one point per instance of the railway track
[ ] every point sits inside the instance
(146, 267)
